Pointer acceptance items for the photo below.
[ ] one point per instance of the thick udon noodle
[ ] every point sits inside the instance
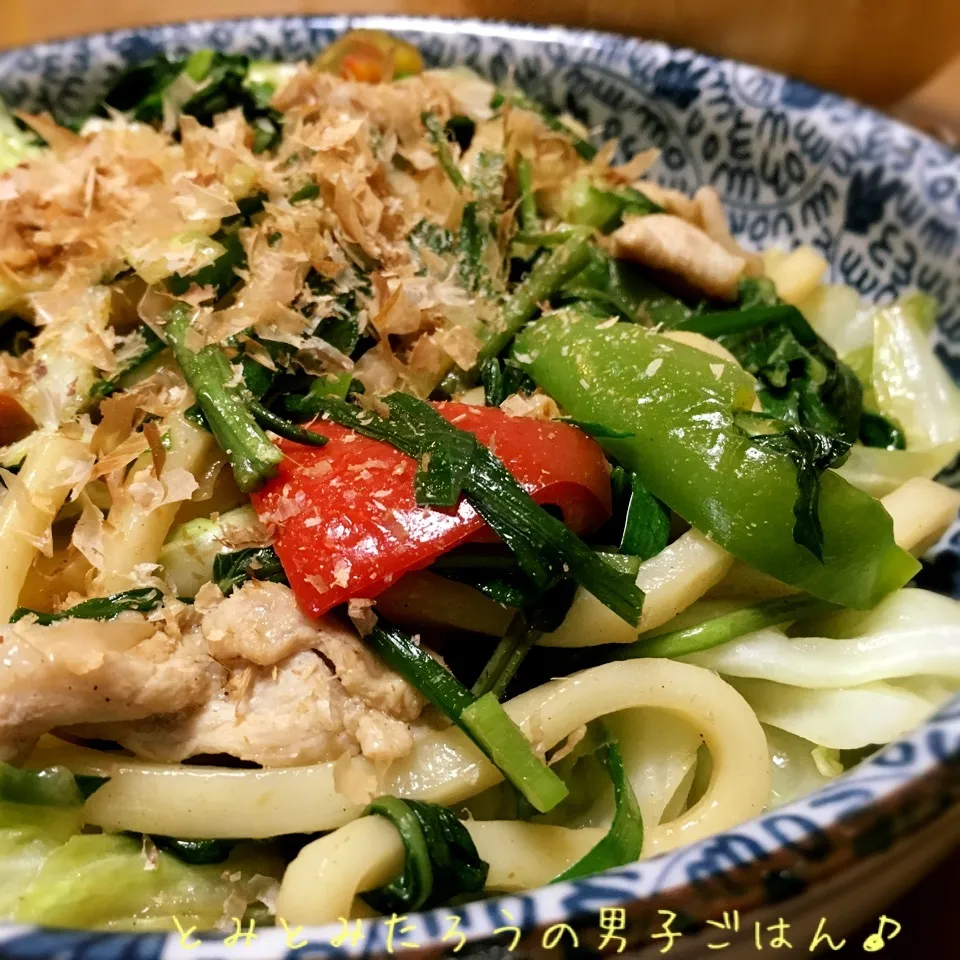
(685, 704)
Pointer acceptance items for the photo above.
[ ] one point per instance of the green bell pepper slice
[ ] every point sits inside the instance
(679, 404)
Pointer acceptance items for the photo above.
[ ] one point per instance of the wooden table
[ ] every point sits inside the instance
(902, 62)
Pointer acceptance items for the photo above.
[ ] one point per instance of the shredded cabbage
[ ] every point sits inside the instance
(879, 472)
(910, 383)
(53, 874)
(794, 770)
(911, 632)
(837, 314)
(15, 144)
(844, 718)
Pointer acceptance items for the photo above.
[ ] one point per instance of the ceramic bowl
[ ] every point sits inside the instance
(793, 164)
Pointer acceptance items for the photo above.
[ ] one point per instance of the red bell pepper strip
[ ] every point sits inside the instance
(347, 517)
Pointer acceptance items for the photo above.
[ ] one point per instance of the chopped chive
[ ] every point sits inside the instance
(483, 719)
(284, 428)
(528, 202)
(309, 191)
(438, 137)
(719, 630)
(253, 457)
(502, 666)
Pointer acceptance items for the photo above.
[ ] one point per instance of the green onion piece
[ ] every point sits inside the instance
(599, 431)
(502, 666)
(504, 743)
(720, 630)
(528, 202)
(251, 454)
(624, 840)
(484, 720)
(140, 600)
(284, 428)
(443, 472)
(309, 191)
(408, 658)
(546, 550)
(336, 385)
(152, 346)
(723, 322)
(547, 275)
(546, 238)
(438, 137)
(198, 64)
(441, 859)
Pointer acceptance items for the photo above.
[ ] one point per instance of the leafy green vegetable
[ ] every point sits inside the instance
(221, 275)
(310, 404)
(340, 327)
(437, 135)
(620, 288)
(51, 787)
(140, 600)
(441, 859)
(624, 840)
(545, 549)
(482, 719)
(444, 466)
(646, 526)
(139, 89)
(800, 378)
(548, 275)
(16, 145)
(812, 452)
(204, 85)
(501, 379)
(99, 880)
(603, 207)
(197, 852)
(431, 236)
(254, 563)
(480, 267)
(877, 430)
(153, 346)
(911, 385)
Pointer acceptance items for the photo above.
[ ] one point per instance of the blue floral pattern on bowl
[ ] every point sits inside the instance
(794, 165)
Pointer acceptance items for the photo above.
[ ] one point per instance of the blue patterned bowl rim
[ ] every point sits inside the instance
(828, 170)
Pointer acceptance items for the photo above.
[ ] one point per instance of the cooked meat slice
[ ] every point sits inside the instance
(713, 218)
(294, 713)
(262, 623)
(365, 676)
(79, 670)
(668, 243)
